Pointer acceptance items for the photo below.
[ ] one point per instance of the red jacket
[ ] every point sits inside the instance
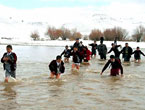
(87, 54)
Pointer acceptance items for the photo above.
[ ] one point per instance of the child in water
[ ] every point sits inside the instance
(66, 54)
(56, 67)
(9, 60)
(115, 66)
(76, 58)
(87, 54)
(94, 48)
(137, 55)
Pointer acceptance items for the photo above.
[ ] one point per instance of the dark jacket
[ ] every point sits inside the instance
(53, 67)
(12, 61)
(66, 53)
(77, 45)
(129, 51)
(94, 46)
(102, 49)
(137, 53)
(115, 50)
(114, 65)
(76, 57)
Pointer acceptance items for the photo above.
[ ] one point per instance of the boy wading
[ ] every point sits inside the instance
(115, 66)
(9, 60)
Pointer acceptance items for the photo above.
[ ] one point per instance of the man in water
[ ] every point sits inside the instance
(127, 52)
(77, 44)
(115, 66)
(9, 60)
(137, 55)
(115, 50)
(66, 54)
(56, 67)
(94, 47)
(102, 49)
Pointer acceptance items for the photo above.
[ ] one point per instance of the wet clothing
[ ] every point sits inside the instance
(66, 53)
(127, 52)
(56, 67)
(137, 54)
(114, 72)
(102, 49)
(75, 56)
(116, 51)
(94, 47)
(115, 67)
(87, 55)
(10, 65)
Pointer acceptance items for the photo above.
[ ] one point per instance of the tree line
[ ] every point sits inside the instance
(109, 34)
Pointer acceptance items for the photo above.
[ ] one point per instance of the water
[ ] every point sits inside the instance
(86, 90)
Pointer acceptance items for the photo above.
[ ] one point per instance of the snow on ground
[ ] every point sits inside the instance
(59, 43)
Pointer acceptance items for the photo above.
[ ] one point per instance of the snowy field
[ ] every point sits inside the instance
(58, 43)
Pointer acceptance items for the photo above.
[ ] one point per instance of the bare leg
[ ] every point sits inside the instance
(135, 60)
(58, 76)
(77, 67)
(52, 75)
(6, 79)
(73, 66)
(95, 56)
(139, 61)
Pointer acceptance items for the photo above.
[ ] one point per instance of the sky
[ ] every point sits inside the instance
(32, 4)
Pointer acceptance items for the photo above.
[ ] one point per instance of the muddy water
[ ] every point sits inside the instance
(86, 90)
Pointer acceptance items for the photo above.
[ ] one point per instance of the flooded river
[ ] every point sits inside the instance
(86, 90)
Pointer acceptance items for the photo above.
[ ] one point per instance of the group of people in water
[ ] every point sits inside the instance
(80, 54)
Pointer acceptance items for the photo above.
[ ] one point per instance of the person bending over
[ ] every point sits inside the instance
(56, 67)
(115, 66)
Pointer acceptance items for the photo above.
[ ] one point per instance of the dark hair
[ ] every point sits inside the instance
(10, 46)
(112, 56)
(126, 43)
(137, 47)
(66, 46)
(58, 57)
(77, 39)
(112, 44)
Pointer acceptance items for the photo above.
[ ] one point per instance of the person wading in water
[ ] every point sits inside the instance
(115, 66)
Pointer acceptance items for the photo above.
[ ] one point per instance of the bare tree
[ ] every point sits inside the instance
(35, 36)
(139, 34)
(75, 35)
(115, 33)
(66, 33)
(108, 34)
(95, 34)
(52, 33)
